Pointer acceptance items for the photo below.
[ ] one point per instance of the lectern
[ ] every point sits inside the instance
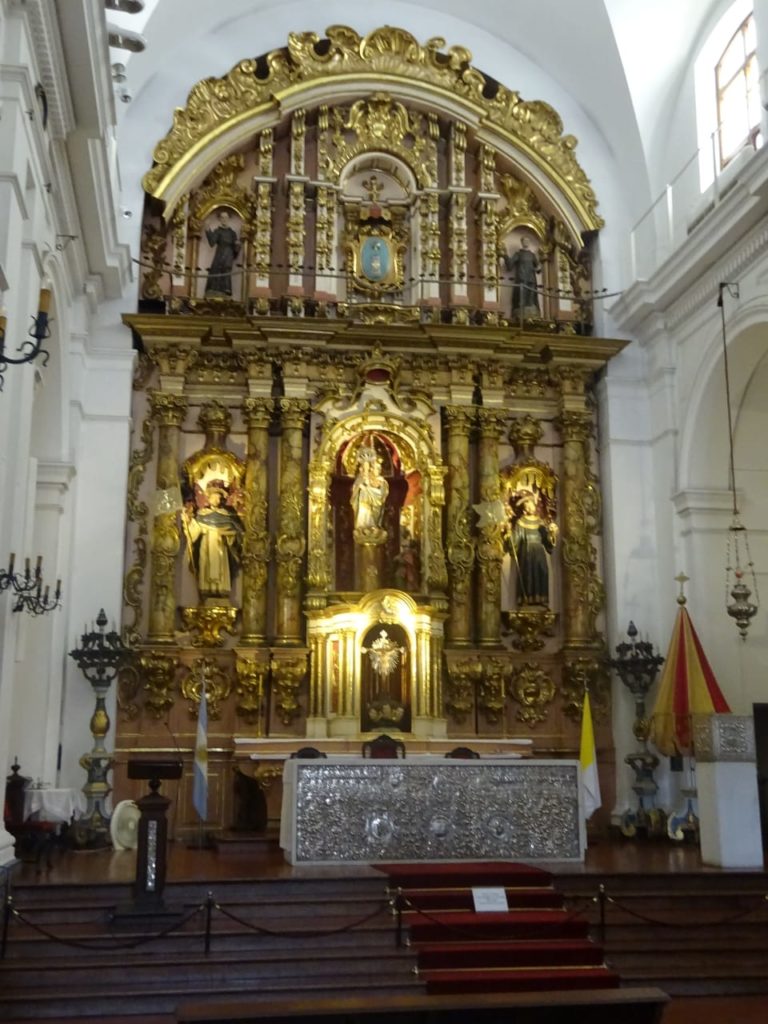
(152, 850)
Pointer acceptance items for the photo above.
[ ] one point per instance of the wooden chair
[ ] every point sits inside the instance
(385, 747)
(308, 752)
(33, 840)
(465, 753)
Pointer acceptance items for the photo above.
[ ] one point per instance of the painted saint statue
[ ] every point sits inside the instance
(531, 539)
(369, 496)
(214, 536)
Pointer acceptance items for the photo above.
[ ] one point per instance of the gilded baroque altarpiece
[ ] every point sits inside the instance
(363, 491)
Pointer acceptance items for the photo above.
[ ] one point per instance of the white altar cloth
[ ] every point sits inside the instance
(56, 805)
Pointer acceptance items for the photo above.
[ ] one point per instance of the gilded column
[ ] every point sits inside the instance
(583, 592)
(460, 548)
(489, 543)
(291, 540)
(488, 223)
(258, 413)
(168, 411)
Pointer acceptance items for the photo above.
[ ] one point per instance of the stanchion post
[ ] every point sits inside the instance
(399, 922)
(208, 916)
(7, 908)
(602, 899)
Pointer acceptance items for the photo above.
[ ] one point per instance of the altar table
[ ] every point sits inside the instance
(358, 810)
(54, 805)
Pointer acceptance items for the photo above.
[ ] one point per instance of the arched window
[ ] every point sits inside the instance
(727, 92)
(738, 95)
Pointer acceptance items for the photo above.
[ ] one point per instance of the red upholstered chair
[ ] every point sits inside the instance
(384, 746)
(465, 753)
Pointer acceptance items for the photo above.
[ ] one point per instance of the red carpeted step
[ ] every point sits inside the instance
(532, 980)
(523, 953)
(504, 873)
(458, 925)
(462, 899)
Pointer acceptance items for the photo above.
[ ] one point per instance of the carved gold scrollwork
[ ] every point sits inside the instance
(534, 691)
(214, 104)
(521, 207)
(221, 189)
(153, 257)
(128, 686)
(251, 680)
(529, 626)
(491, 691)
(172, 360)
(159, 672)
(287, 677)
(218, 686)
(138, 513)
(579, 674)
(463, 677)
(206, 624)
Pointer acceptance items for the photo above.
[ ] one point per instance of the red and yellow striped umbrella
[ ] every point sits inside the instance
(688, 687)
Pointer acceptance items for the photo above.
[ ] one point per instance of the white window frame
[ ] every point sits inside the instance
(706, 89)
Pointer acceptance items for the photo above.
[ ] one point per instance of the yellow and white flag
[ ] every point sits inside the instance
(590, 783)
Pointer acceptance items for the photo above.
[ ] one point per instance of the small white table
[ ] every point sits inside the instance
(54, 805)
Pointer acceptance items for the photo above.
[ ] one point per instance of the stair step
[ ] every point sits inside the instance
(521, 980)
(524, 952)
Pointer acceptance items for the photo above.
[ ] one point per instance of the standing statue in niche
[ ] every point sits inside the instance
(530, 539)
(369, 496)
(524, 266)
(214, 535)
(226, 249)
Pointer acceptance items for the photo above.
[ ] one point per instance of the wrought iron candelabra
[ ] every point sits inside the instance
(637, 666)
(28, 588)
(99, 657)
(38, 332)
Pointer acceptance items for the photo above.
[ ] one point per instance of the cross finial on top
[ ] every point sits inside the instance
(682, 579)
(373, 186)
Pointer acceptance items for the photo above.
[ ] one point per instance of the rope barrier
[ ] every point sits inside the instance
(685, 924)
(207, 907)
(303, 933)
(98, 943)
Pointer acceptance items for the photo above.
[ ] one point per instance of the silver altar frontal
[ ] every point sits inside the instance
(355, 810)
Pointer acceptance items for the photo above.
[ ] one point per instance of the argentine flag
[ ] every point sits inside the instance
(200, 780)
(590, 783)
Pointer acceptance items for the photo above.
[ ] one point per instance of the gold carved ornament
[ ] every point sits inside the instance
(251, 680)
(216, 105)
(287, 677)
(138, 512)
(207, 624)
(534, 691)
(159, 673)
(490, 693)
(463, 678)
(579, 675)
(218, 686)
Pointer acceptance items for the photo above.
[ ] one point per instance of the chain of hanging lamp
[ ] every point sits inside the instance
(739, 566)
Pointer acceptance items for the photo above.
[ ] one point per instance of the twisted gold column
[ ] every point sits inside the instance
(258, 412)
(582, 588)
(489, 546)
(460, 548)
(168, 411)
(291, 540)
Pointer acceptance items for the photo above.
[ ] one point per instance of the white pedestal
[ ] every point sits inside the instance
(729, 815)
(726, 777)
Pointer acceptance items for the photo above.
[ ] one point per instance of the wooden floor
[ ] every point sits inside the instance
(265, 861)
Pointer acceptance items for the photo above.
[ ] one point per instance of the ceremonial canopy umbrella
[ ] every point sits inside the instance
(688, 687)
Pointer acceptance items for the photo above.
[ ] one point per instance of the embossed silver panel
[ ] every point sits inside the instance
(724, 738)
(364, 811)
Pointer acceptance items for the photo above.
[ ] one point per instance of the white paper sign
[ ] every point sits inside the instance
(490, 899)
